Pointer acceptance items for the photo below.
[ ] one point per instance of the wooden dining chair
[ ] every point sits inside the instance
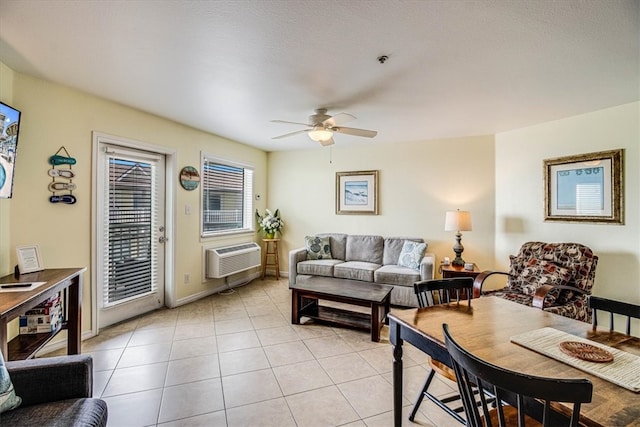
(613, 307)
(433, 292)
(532, 395)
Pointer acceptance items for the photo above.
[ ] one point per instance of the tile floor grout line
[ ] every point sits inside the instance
(264, 308)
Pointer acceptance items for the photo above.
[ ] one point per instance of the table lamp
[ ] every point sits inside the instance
(458, 221)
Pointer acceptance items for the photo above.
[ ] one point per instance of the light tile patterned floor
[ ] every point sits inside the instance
(236, 360)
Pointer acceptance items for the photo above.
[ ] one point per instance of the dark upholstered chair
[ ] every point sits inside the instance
(556, 277)
(613, 307)
(473, 372)
(432, 292)
(55, 391)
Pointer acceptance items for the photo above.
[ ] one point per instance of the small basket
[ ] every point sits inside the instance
(585, 351)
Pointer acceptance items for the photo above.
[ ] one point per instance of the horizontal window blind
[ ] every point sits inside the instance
(227, 202)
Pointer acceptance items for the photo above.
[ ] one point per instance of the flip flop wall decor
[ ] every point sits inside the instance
(62, 173)
(61, 160)
(62, 177)
(68, 199)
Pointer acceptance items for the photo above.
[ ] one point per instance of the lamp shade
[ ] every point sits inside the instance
(319, 134)
(457, 221)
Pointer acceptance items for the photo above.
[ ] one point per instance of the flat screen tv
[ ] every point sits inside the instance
(9, 129)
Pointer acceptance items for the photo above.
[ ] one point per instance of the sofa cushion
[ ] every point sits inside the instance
(319, 267)
(365, 248)
(355, 270)
(411, 254)
(578, 309)
(393, 247)
(396, 275)
(338, 244)
(318, 247)
(511, 296)
(540, 272)
(86, 412)
(8, 398)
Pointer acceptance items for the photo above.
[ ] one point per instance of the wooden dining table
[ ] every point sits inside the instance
(485, 329)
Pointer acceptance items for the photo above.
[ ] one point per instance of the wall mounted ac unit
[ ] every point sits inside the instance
(224, 261)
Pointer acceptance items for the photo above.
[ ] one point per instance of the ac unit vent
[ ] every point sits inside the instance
(224, 261)
(228, 249)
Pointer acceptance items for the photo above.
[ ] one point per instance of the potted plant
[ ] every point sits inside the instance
(270, 223)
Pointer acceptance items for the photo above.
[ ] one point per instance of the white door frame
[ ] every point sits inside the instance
(170, 215)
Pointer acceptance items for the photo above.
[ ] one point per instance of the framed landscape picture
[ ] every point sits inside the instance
(357, 193)
(585, 188)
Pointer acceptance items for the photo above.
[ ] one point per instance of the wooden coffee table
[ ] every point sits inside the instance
(305, 303)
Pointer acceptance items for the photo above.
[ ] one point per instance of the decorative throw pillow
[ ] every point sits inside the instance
(544, 273)
(8, 398)
(411, 254)
(318, 247)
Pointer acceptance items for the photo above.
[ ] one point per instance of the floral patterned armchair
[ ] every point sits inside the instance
(556, 277)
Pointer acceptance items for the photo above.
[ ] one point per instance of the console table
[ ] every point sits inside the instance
(13, 304)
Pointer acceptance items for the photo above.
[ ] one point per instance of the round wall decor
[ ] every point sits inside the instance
(189, 178)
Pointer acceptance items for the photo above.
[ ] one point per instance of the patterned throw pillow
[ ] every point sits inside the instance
(318, 247)
(8, 398)
(544, 273)
(411, 254)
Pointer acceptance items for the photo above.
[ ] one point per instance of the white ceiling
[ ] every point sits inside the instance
(455, 68)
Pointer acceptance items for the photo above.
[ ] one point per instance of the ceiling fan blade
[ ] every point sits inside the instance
(356, 132)
(291, 123)
(290, 134)
(338, 119)
(328, 142)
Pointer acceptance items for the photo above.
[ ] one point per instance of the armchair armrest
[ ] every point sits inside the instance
(542, 291)
(427, 266)
(480, 278)
(52, 378)
(295, 256)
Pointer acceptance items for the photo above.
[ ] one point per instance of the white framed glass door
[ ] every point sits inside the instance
(130, 232)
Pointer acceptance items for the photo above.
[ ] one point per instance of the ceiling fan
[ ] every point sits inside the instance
(322, 126)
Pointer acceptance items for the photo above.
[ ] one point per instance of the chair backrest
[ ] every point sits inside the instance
(613, 307)
(440, 291)
(513, 387)
(579, 261)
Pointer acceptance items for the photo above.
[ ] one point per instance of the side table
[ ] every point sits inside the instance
(270, 257)
(449, 271)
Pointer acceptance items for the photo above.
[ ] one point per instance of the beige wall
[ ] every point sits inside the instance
(6, 96)
(520, 197)
(500, 181)
(54, 116)
(418, 182)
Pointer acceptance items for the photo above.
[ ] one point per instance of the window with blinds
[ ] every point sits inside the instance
(227, 196)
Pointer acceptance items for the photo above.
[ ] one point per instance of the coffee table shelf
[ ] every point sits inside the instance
(306, 297)
(337, 316)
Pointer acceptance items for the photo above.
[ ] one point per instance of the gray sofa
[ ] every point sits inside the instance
(55, 391)
(367, 258)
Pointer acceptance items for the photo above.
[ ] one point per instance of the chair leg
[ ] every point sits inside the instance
(453, 412)
(440, 403)
(421, 395)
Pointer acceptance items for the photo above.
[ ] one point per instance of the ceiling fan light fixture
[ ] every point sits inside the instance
(320, 134)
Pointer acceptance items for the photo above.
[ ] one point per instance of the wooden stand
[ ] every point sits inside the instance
(270, 256)
(13, 304)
